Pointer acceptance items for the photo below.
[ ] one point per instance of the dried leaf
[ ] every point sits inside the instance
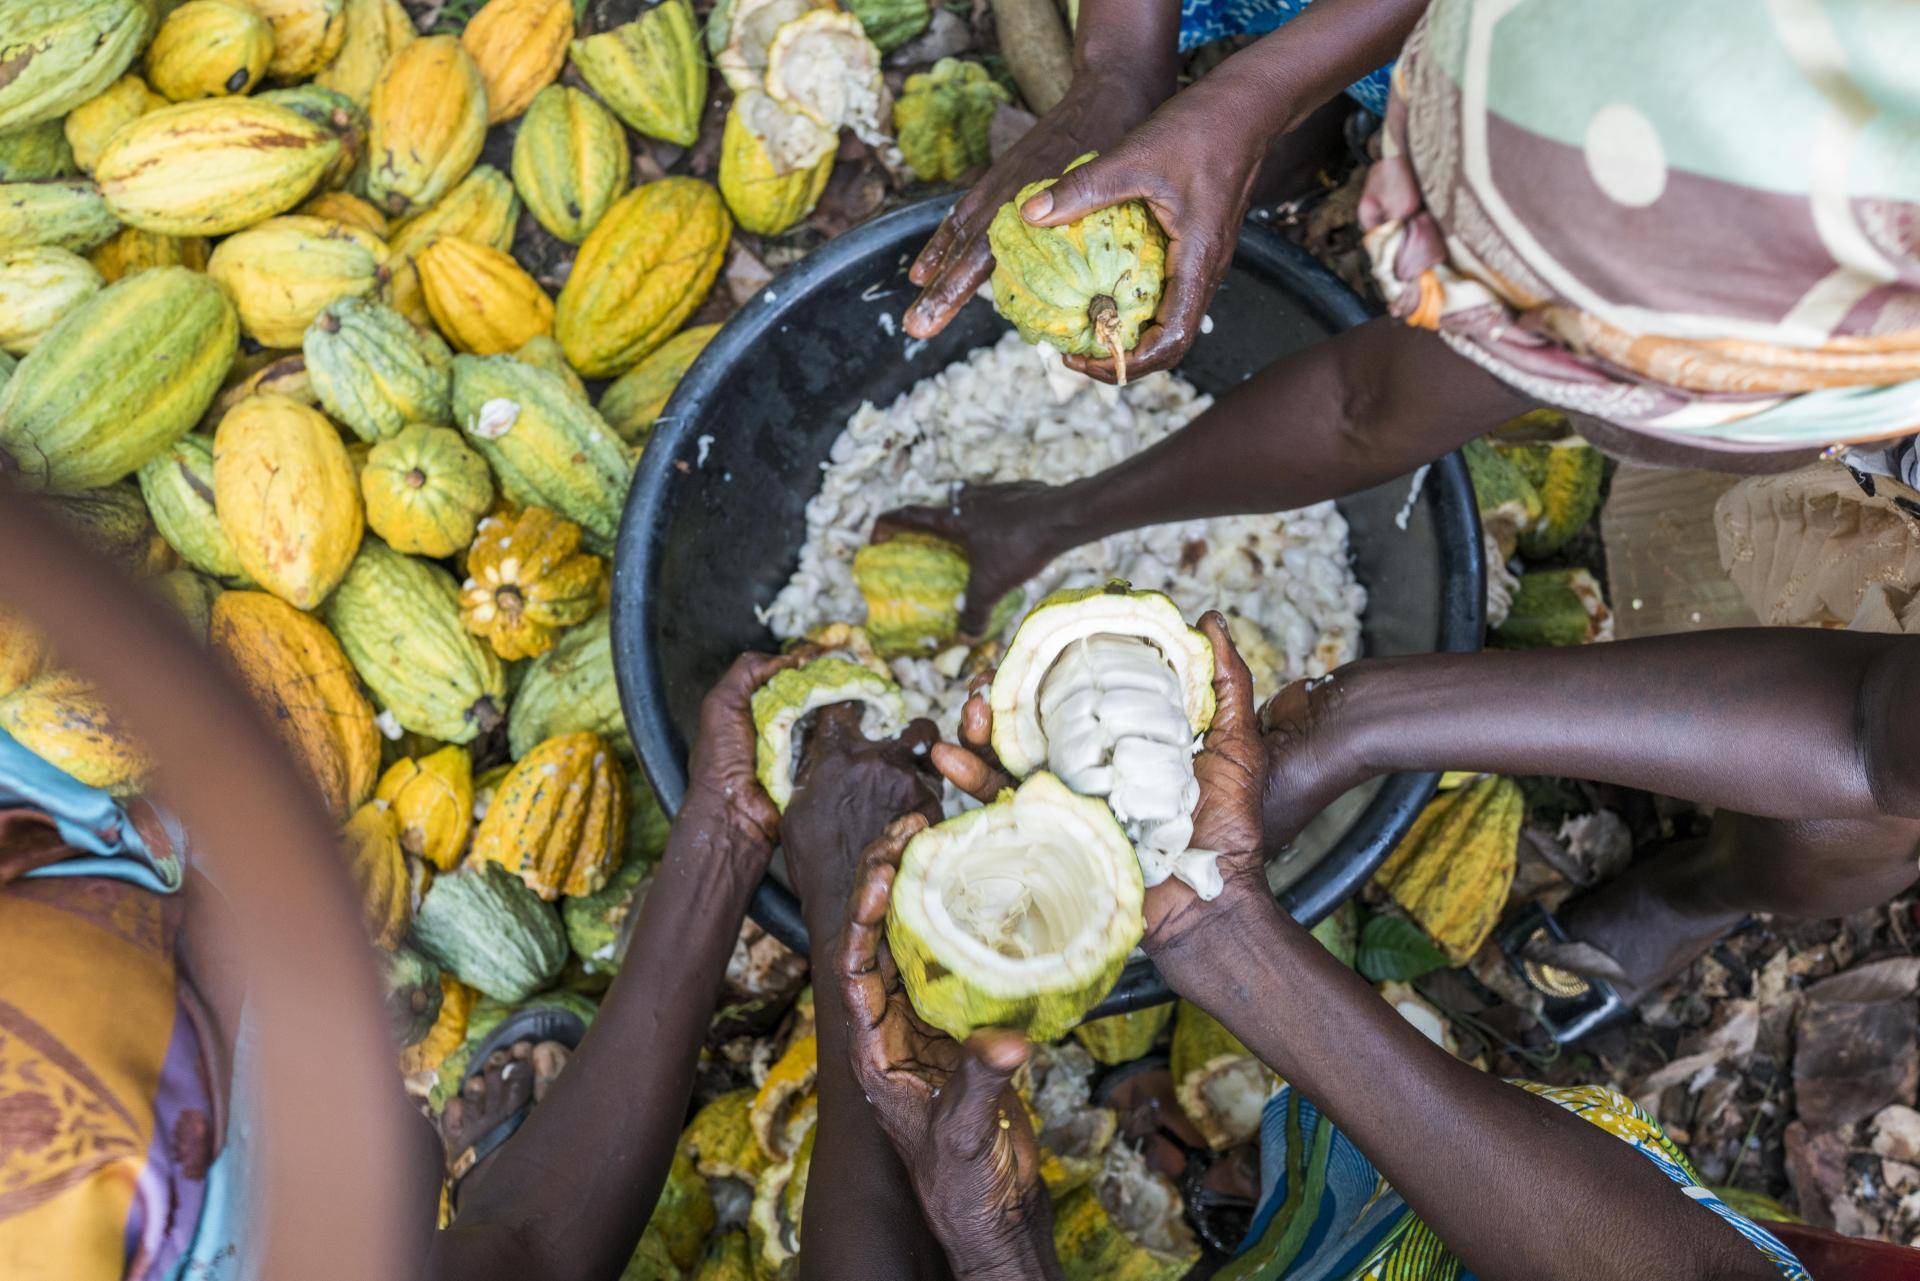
(1817, 1170)
(853, 194)
(1896, 1134)
(1856, 1048)
(745, 275)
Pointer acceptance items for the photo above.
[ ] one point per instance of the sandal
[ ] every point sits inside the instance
(541, 1024)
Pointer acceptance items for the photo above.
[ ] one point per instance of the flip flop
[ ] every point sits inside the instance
(1571, 1005)
(539, 1024)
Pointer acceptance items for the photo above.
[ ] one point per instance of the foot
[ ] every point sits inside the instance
(1631, 933)
(513, 1078)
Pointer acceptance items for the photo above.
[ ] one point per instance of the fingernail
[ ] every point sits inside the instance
(1038, 207)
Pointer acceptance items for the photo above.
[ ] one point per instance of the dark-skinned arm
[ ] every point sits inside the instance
(566, 1198)
(860, 1218)
(1702, 717)
(1360, 408)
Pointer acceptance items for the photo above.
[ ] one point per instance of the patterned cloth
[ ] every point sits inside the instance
(1576, 202)
(1327, 1215)
(122, 1155)
(1204, 21)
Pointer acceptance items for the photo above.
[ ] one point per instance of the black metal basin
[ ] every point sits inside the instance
(715, 517)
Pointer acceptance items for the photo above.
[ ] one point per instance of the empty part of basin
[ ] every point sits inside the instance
(716, 516)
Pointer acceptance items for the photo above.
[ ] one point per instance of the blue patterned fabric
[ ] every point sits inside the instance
(1203, 21)
(1326, 1214)
(89, 820)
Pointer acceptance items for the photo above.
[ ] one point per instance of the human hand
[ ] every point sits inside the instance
(1231, 770)
(1309, 761)
(722, 788)
(847, 789)
(948, 1109)
(1008, 530)
(1097, 111)
(1194, 162)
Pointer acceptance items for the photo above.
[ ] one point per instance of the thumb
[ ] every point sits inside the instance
(968, 1118)
(1102, 181)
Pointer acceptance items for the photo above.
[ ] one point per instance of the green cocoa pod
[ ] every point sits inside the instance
(178, 486)
(570, 161)
(375, 372)
(35, 152)
(56, 54)
(66, 213)
(118, 379)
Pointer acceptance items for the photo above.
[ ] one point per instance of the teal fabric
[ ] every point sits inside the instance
(89, 820)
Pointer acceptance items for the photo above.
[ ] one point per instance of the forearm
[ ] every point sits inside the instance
(1777, 722)
(1360, 408)
(1138, 40)
(1285, 76)
(1463, 1148)
(625, 1094)
(861, 1218)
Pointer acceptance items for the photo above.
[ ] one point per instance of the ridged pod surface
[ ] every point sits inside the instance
(640, 273)
(398, 618)
(635, 401)
(481, 299)
(118, 379)
(765, 197)
(542, 352)
(547, 446)
(286, 496)
(426, 491)
(208, 168)
(209, 49)
(59, 54)
(942, 119)
(132, 249)
(300, 679)
(278, 376)
(376, 373)
(558, 822)
(568, 689)
(178, 487)
(35, 152)
(1086, 288)
(413, 994)
(1454, 867)
(519, 46)
(64, 721)
(375, 31)
(429, 120)
(433, 799)
(306, 34)
(891, 23)
(340, 115)
(344, 206)
(650, 71)
(62, 213)
(570, 161)
(282, 273)
(482, 208)
(37, 287)
(527, 580)
(423, 1058)
(1122, 1038)
(379, 868)
(93, 122)
(482, 924)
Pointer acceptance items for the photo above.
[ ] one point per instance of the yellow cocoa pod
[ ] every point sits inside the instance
(570, 161)
(206, 168)
(432, 798)
(429, 119)
(300, 679)
(283, 273)
(341, 206)
(64, 721)
(633, 403)
(37, 287)
(482, 208)
(641, 272)
(287, 498)
(209, 49)
(766, 193)
(282, 375)
(24, 652)
(1453, 869)
(559, 820)
(376, 30)
(650, 71)
(519, 46)
(544, 353)
(526, 580)
(94, 121)
(132, 249)
(425, 490)
(379, 867)
(448, 1033)
(480, 298)
(307, 34)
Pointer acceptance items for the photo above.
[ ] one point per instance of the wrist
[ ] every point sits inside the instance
(1190, 960)
(721, 848)
(1019, 1254)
